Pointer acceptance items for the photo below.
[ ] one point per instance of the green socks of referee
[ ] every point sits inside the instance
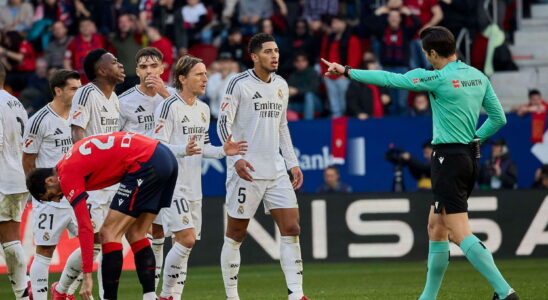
(438, 260)
(482, 260)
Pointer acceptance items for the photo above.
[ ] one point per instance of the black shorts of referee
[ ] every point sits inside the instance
(454, 174)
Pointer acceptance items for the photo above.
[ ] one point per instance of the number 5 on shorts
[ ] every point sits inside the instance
(241, 195)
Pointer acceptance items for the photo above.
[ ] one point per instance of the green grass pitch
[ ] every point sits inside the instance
(358, 280)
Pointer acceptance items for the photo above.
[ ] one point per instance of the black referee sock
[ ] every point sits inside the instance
(145, 264)
(111, 265)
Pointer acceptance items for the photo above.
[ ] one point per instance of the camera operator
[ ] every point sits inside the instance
(420, 170)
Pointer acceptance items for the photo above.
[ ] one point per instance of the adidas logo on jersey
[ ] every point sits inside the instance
(256, 96)
(139, 109)
(58, 131)
(104, 109)
(185, 119)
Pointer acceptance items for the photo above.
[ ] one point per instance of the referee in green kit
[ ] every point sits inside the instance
(457, 93)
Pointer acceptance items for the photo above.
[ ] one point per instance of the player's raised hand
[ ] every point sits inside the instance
(157, 84)
(192, 147)
(87, 286)
(234, 148)
(333, 68)
(243, 167)
(297, 175)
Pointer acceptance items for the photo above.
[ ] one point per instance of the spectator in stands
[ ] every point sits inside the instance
(314, 10)
(421, 105)
(37, 93)
(460, 14)
(195, 19)
(301, 40)
(251, 11)
(395, 38)
(332, 183)
(165, 15)
(304, 84)
(499, 171)
(430, 14)
(364, 101)
(19, 58)
(216, 84)
(233, 47)
(45, 15)
(145, 11)
(536, 104)
(125, 44)
(165, 46)
(340, 45)
(88, 39)
(55, 52)
(420, 170)
(16, 16)
(267, 26)
(541, 178)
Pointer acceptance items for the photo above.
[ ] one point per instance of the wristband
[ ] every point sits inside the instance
(347, 71)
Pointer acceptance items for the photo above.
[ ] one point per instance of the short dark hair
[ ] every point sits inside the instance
(85, 19)
(300, 54)
(534, 92)
(2, 74)
(440, 39)
(59, 79)
(332, 167)
(151, 52)
(183, 66)
(257, 41)
(36, 181)
(90, 62)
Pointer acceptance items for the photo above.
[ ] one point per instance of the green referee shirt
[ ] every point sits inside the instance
(457, 93)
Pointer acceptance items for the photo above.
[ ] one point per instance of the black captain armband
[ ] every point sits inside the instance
(347, 71)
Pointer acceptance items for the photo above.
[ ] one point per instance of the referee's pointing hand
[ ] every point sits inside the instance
(333, 68)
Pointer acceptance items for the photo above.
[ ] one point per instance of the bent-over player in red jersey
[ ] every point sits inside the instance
(147, 173)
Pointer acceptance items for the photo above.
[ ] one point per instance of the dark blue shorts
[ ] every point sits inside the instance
(150, 188)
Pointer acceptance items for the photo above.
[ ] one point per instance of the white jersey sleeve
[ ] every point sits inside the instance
(34, 133)
(228, 110)
(12, 122)
(286, 145)
(80, 111)
(163, 121)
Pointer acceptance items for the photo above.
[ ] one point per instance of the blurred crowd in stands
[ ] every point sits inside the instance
(39, 36)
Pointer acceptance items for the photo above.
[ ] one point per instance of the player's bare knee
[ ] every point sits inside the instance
(106, 235)
(157, 231)
(290, 230)
(237, 235)
(46, 251)
(186, 238)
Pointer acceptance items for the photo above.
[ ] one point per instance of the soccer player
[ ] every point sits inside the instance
(95, 110)
(183, 120)
(254, 109)
(146, 171)
(137, 106)
(47, 137)
(13, 193)
(457, 93)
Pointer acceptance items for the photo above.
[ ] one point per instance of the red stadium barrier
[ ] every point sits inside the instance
(64, 249)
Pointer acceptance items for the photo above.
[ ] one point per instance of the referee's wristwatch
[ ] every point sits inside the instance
(347, 71)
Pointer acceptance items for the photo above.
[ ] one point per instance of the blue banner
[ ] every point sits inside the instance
(365, 168)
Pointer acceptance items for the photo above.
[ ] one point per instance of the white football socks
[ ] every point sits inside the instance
(158, 249)
(72, 273)
(39, 272)
(230, 266)
(17, 268)
(292, 266)
(175, 270)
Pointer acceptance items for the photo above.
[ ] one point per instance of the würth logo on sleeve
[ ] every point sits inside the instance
(456, 84)
(415, 80)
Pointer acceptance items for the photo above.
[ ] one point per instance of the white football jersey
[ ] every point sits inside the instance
(48, 135)
(176, 123)
(13, 118)
(137, 110)
(255, 111)
(92, 111)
